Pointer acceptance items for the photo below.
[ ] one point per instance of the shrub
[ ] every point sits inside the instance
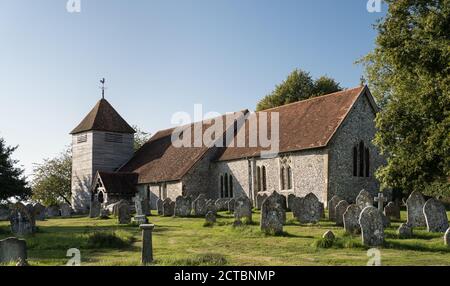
(205, 259)
(110, 239)
(323, 243)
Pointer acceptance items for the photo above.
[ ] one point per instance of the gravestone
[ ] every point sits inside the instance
(168, 207)
(94, 210)
(66, 210)
(123, 212)
(199, 206)
(183, 206)
(392, 211)
(22, 220)
(243, 209)
(435, 216)
(211, 207)
(159, 204)
(230, 205)
(221, 204)
(4, 212)
(297, 206)
(405, 231)
(104, 212)
(39, 211)
(372, 230)
(414, 210)
(210, 217)
(339, 212)
(289, 201)
(364, 199)
(259, 200)
(329, 235)
(273, 214)
(12, 250)
(53, 211)
(351, 219)
(447, 237)
(380, 199)
(332, 207)
(322, 210)
(310, 211)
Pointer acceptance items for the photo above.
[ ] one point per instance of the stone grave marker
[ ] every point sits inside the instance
(332, 207)
(372, 230)
(273, 214)
(243, 209)
(435, 216)
(339, 211)
(351, 219)
(414, 210)
(310, 210)
(22, 220)
(123, 212)
(364, 199)
(183, 206)
(392, 211)
(168, 207)
(12, 250)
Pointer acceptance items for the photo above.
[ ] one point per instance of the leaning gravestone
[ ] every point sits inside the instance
(230, 205)
(94, 210)
(183, 206)
(273, 214)
(259, 200)
(435, 216)
(405, 231)
(4, 212)
(364, 199)
(159, 204)
(168, 207)
(372, 230)
(289, 201)
(13, 250)
(243, 209)
(22, 220)
(199, 206)
(310, 210)
(66, 210)
(351, 219)
(339, 212)
(392, 211)
(39, 211)
(332, 206)
(414, 210)
(123, 212)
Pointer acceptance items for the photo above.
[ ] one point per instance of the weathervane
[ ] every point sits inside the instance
(102, 81)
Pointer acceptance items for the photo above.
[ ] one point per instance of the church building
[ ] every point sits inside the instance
(325, 148)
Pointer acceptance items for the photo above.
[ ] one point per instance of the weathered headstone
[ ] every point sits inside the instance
(351, 219)
(310, 211)
(329, 235)
(66, 210)
(168, 207)
(332, 207)
(53, 211)
(199, 206)
(12, 250)
(435, 216)
(322, 210)
(22, 220)
(447, 237)
(259, 200)
(372, 230)
(414, 210)
(183, 206)
(159, 204)
(243, 209)
(405, 231)
(94, 210)
(123, 212)
(339, 211)
(147, 245)
(297, 206)
(221, 204)
(364, 199)
(230, 205)
(289, 201)
(210, 217)
(380, 199)
(273, 214)
(392, 211)
(4, 212)
(39, 211)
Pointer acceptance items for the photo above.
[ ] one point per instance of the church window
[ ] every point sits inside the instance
(289, 178)
(221, 187)
(264, 179)
(367, 161)
(231, 187)
(225, 195)
(355, 161)
(361, 159)
(100, 197)
(258, 179)
(282, 176)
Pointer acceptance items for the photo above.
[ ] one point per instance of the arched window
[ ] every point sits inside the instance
(258, 179)
(355, 161)
(282, 175)
(289, 178)
(361, 159)
(226, 186)
(221, 186)
(264, 179)
(231, 187)
(367, 161)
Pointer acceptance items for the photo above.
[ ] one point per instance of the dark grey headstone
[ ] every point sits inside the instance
(123, 212)
(332, 207)
(95, 207)
(22, 220)
(273, 214)
(230, 205)
(183, 206)
(199, 206)
(210, 217)
(392, 211)
(259, 200)
(243, 209)
(435, 216)
(13, 250)
(351, 219)
(414, 209)
(339, 211)
(310, 209)
(168, 207)
(372, 230)
(405, 231)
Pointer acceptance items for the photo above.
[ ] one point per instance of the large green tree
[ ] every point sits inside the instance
(299, 85)
(52, 179)
(12, 181)
(409, 74)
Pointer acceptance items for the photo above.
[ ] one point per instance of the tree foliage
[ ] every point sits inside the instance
(51, 183)
(298, 86)
(140, 137)
(409, 74)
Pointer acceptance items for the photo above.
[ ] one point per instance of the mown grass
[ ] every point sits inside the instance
(185, 241)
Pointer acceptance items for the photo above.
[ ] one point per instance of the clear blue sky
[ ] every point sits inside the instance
(160, 57)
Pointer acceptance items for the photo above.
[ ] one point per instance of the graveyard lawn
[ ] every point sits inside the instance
(186, 241)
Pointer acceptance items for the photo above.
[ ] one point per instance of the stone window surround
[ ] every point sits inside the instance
(226, 185)
(285, 173)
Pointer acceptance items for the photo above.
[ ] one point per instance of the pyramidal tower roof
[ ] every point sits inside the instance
(103, 117)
